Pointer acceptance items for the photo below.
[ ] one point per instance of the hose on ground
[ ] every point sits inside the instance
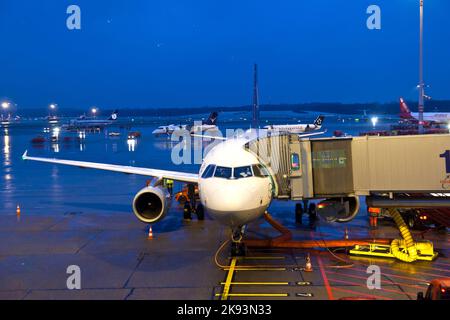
(408, 242)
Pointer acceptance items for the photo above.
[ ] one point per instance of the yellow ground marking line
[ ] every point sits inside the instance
(226, 288)
(254, 269)
(264, 258)
(258, 283)
(255, 294)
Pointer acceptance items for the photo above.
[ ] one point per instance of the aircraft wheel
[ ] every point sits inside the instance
(298, 213)
(312, 214)
(200, 212)
(187, 210)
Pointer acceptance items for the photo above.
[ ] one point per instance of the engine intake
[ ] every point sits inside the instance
(151, 204)
(339, 209)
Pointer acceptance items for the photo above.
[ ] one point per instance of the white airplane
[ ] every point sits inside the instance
(85, 122)
(234, 186)
(429, 117)
(208, 125)
(297, 128)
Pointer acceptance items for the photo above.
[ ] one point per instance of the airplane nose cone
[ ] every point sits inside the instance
(234, 203)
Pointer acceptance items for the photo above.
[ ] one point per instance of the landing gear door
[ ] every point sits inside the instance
(296, 170)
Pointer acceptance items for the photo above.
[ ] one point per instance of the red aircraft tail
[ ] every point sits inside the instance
(405, 113)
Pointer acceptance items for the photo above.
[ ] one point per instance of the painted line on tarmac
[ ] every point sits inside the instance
(356, 284)
(433, 275)
(254, 269)
(258, 283)
(264, 258)
(271, 295)
(227, 286)
(361, 294)
(325, 279)
(386, 281)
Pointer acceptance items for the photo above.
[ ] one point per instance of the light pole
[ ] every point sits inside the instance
(421, 83)
(52, 107)
(5, 106)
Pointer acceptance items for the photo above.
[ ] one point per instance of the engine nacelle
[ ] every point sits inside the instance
(151, 204)
(339, 209)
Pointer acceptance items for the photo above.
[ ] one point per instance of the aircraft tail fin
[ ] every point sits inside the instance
(113, 115)
(319, 120)
(212, 119)
(405, 113)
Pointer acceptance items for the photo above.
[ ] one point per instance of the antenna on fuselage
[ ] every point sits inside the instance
(255, 120)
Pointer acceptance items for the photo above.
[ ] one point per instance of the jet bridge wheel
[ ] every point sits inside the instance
(298, 213)
(312, 212)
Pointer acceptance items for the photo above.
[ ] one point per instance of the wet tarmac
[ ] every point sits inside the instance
(118, 261)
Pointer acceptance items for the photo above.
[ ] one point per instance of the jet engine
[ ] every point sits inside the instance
(338, 209)
(151, 204)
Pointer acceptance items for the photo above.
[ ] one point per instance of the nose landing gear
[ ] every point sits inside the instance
(238, 248)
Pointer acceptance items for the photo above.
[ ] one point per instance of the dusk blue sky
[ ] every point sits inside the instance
(175, 53)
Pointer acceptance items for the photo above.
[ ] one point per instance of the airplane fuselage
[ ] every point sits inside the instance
(234, 187)
(293, 128)
(437, 117)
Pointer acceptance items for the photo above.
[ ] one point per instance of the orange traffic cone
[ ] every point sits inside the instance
(308, 265)
(18, 210)
(150, 233)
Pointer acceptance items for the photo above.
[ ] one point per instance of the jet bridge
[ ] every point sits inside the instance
(377, 167)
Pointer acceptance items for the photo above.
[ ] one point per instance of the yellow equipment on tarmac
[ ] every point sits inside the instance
(403, 249)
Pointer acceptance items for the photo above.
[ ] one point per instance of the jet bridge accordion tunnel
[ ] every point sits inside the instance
(391, 171)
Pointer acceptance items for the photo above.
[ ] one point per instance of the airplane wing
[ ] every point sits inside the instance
(166, 174)
(302, 135)
(204, 136)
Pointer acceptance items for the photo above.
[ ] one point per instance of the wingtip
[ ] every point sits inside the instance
(24, 156)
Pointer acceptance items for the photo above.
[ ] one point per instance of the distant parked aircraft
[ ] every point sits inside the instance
(85, 122)
(430, 117)
(297, 128)
(209, 124)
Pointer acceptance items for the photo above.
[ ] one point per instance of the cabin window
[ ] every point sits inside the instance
(209, 171)
(223, 172)
(242, 172)
(260, 171)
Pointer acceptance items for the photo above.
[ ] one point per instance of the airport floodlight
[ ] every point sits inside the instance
(374, 121)
(53, 106)
(94, 110)
(5, 105)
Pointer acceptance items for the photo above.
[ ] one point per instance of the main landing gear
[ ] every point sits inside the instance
(188, 210)
(191, 206)
(238, 248)
(305, 208)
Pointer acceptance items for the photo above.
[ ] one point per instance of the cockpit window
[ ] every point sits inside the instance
(260, 171)
(209, 171)
(242, 172)
(223, 172)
